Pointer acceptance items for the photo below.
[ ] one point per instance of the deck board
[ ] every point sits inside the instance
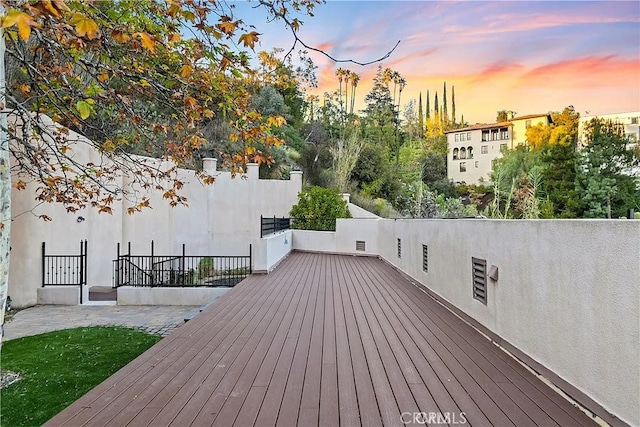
(324, 340)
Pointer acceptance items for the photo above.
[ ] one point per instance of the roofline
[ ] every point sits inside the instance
(532, 116)
(480, 126)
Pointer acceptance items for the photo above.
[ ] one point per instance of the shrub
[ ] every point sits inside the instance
(317, 209)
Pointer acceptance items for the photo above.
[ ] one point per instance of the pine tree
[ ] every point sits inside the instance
(453, 105)
(420, 117)
(445, 116)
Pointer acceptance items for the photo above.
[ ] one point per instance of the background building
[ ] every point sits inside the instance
(473, 149)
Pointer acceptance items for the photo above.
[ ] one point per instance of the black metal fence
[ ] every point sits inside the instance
(180, 270)
(65, 270)
(270, 225)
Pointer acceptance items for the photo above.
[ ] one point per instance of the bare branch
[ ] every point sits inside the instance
(278, 15)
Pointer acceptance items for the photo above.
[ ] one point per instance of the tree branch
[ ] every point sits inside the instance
(279, 15)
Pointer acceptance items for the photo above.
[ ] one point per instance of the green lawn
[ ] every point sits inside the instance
(59, 367)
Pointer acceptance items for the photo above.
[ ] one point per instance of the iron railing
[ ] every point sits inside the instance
(180, 270)
(269, 225)
(65, 270)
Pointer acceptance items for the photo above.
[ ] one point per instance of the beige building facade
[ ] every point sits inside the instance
(630, 121)
(473, 149)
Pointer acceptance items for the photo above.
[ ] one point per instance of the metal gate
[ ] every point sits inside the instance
(65, 270)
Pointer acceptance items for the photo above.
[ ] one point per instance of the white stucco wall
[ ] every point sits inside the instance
(321, 241)
(568, 292)
(129, 295)
(270, 250)
(221, 219)
(357, 212)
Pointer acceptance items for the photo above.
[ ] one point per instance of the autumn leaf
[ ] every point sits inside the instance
(84, 108)
(24, 90)
(186, 71)
(85, 27)
(23, 20)
(224, 63)
(276, 121)
(249, 39)
(45, 218)
(147, 41)
(19, 185)
(103, 77)
(119, 36)
(105, 209)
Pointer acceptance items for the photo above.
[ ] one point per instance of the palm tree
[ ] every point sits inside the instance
(342, 74)
(354, 84)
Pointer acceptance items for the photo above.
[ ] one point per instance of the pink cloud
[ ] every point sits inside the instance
(591, 70)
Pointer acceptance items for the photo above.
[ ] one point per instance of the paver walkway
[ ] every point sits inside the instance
(161, 320)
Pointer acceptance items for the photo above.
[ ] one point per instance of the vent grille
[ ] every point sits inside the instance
(425, 258)
(399, 248)
(479, 273)
(360, 245)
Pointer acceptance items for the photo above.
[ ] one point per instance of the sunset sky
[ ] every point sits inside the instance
(530, 57)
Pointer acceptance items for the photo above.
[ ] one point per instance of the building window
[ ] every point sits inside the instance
(484, 149)
(455, 154)
(463, 167)
(505, 134)
(463, 137)
(527, 124)
(634, 120)
(503, 147)
(485, 135)
(470, 152)
(463, 153)
(457, 137)
(468, 136)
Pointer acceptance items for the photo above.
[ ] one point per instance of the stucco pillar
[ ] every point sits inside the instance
(209, 165)
(296, 179)
(253, 171)
(346, 197)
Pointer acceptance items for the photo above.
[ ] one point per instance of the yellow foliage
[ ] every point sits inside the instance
(147, 41)
(23, 20)
(186, 70)
(249, 39)
(85, 27)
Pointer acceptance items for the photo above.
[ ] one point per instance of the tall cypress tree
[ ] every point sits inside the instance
(445, 116)
(453, 105)
(428, 106)
(462, 121)
(436, 109)
(420, 117)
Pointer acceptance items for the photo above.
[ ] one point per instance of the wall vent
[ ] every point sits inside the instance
(399, 248)
(360, 245)
(479, 274)
(425, 258)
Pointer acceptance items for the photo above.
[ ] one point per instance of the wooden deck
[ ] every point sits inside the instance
(324, 340)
